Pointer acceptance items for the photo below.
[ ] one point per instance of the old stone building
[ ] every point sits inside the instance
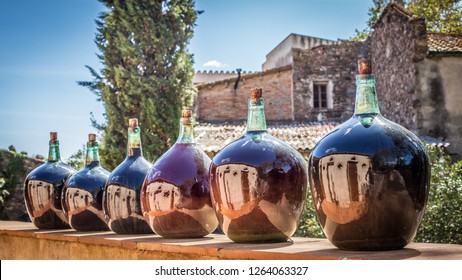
(418, 76)
(310, 82)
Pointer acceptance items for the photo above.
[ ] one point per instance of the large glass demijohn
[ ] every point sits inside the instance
(82, 195)
(369, 177)
(121, 196)
(175, 197)
(43, 187)
(258, 182)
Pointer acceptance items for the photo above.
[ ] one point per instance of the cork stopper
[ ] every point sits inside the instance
(186, 116)
(91, 137)
(53, 136)
(133, 122)
(256, 93)
(364, 66)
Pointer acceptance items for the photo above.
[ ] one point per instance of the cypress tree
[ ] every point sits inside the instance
(147, 72)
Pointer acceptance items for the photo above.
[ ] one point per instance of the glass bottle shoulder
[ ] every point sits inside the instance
(353, 136)
(182, 162)
(256, 148)
(51, 171)
(131, 172)
(89, 177)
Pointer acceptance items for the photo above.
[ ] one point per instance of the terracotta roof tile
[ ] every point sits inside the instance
(212, 137)
(444, 43)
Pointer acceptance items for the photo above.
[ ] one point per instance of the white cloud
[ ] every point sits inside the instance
(215, 64)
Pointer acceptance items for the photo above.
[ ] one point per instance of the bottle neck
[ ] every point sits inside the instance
(256, 120)
(186, 132)
(134, 142)
(366, 97)
(53, 151)
(92, 157)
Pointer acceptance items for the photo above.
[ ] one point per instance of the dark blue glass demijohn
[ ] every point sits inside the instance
(369, 177)
(82, 195)
(43, 187)
(121, 198)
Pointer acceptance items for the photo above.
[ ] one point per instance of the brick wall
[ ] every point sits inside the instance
(336, 64)
(220, 102)
(398, 47)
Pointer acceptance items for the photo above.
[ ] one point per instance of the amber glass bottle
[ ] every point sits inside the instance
(175, 198)
(43, 187)
(121, 198)
(258, 183)
(369, 177)
(83, 192)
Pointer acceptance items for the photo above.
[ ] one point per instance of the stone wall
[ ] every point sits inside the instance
(14, 208)
(398, 48)
(440, 84)
(220, 102)
(335, 64)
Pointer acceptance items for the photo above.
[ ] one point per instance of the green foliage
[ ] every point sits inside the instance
(309, 225)
(11, 173)
(441, 15)
(442, 221)
(3, 192)
(77, 159)
(39, 157)
(374, 13)
(147, 72)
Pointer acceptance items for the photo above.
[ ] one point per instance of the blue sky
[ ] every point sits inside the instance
(45, 45)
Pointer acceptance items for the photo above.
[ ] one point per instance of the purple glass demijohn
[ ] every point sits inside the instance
(258, 183)
(175, 198)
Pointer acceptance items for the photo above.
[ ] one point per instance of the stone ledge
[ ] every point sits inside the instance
(22, 240)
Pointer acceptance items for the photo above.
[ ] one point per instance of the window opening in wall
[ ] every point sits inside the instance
(320, 95)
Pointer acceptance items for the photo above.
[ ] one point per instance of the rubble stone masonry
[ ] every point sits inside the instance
(398, 48)
(337, 66)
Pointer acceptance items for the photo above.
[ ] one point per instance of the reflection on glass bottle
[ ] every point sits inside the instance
(258, 183)
(43, 187)
(121, 197)
(369, 177)
(175, 197)
(83, 192)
